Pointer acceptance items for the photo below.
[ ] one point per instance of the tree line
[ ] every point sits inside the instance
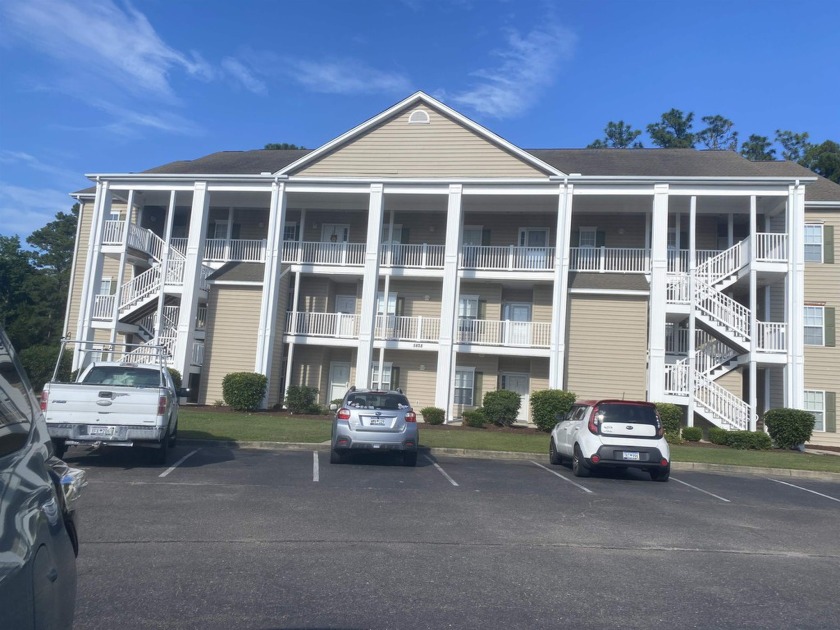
(675, 130)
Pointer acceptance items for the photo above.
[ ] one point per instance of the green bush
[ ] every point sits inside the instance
(672, 418)
(789, 428)
(302, 399)
(475, 418)
(39, 363)
(718, 436)
(176, 377)
(433, 415)
(692, 434)
(547, 404)
(501, 407)
(755, 440)
(244, 391)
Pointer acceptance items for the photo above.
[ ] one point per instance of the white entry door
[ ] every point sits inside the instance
(517, 324)
(345, 308)
(516, 382)
(339, 379)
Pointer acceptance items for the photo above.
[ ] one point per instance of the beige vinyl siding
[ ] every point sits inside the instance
(278, 374)
(504, 228)
(357, 221)
(607, 342)
(418, 371)
(315, 292)
(77, 281)
(543, 297)
(620, 230)
(489, 298)
(233, 316)
(423, 226)
(311, 367)
(733, 382)
(442, 148)
(488, 367)
(777, 389)
(413, 296)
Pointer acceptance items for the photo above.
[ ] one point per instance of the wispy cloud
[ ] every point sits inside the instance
(243, 75)
(21, 159)
(528, 64)
(23, 210)
(346, 76)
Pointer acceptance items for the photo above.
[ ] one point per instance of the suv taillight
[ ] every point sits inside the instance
(411, 417)
(594, 425)
(343, 414)
(45, 397)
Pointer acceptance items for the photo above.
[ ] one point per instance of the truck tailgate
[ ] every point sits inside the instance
(80, 403)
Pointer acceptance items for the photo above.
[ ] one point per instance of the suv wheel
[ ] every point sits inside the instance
(579, 467)
(660, 474)
(553, 455)
(409, 458)
(336, 457)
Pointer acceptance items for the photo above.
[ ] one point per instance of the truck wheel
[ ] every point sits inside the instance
(162, 453)
(59, 448)
(174, 436)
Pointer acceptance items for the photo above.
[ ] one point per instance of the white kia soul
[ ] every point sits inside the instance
(611, 434)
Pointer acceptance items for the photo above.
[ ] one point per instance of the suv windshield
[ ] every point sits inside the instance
(377, 400)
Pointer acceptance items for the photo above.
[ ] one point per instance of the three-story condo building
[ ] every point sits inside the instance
(420, 250)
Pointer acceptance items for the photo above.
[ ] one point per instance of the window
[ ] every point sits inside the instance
(814, 325)
(464, 386)
(588, 237)
(814, 242)
(386, 379)
(815, 403)
(290, 232)
(419, 117)
(220, 230)
(105, 286)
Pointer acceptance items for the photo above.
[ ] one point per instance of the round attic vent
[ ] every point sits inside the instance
(418, 117)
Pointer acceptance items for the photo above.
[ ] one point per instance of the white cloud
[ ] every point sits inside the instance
(57, 173)
(24, 210)
(243, 75)
(345, 77)
(528, 64)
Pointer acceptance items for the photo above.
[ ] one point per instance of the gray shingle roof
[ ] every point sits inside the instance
(239, 272)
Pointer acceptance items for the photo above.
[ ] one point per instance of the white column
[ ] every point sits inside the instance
(115, 315)
(370, 285)
(560, 297)
(449, 301)
(753, 367)
(93, 271)
(796, 298)
(266, 333)
(164, 267)
(658, 294)
(692, 320)
(192, 277)
(71, 288)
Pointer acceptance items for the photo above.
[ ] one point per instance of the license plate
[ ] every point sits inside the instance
(102, 431)
(377, 422)
(630, 455)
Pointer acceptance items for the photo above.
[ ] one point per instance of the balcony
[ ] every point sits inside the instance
(507, 258)
(486, 332)
(346, 326)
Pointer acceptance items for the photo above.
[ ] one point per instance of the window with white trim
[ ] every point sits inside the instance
(588, 237)
(815, 403)
(105, 286)
(464, 386)
(813, 242)
(386, 376)
(814, 325)
(290, 231)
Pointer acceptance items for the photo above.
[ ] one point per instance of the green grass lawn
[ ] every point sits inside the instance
(271, 427)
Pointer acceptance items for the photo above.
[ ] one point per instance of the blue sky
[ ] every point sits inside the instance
(91, 86)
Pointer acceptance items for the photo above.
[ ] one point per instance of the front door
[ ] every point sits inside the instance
(345, 308)
(517, 382)
(535, 244)
(339, 380)
(471, 239)
(517, 324)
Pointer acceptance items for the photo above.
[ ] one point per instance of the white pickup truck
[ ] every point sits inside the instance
(128, 400)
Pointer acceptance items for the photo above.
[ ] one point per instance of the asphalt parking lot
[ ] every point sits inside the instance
(237, 538)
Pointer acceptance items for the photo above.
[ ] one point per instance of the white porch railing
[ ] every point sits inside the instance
(179, 245)
(771, 246)
(422, 256)
(319, 253)
(722, 265)
(676, 288)
(103, 307)
(341, 325)
(723, 311)
(112, 234)
(609, 259)
(719, 405)
(505, 332)
(772, 336)
(404, 328)
(510, 258)
(238, 250)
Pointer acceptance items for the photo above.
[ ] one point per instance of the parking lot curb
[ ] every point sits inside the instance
(510, 455)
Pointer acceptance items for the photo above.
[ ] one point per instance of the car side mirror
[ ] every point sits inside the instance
(333, 407)
(183, 392)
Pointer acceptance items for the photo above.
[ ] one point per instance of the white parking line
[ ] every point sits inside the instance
(441, 471)
(805, 489)
(554, 472)
(701, 490)
(315, 466)
(178, 463)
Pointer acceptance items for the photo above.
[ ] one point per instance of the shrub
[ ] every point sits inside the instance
(789, 427)
(692, 434)
(475, 418)
(302, 399)
(39, 363)
(176, 377)
(671, 416)
(244, 391)
(501, 407)
(433, 415)
(718, 436)
(755, 440)
(547, 404)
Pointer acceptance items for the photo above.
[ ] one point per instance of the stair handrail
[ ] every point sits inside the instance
(733, 412)
(722, 309)
(712, 353)
(139, 287)
(724, 264)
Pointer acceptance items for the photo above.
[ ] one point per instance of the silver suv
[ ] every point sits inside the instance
(375, 420)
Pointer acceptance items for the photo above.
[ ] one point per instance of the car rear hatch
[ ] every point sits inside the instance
(627, 420)
(380, 413)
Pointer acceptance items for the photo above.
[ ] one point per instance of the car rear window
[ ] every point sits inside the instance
(621, 412)
(376, 400)
(125, 376)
